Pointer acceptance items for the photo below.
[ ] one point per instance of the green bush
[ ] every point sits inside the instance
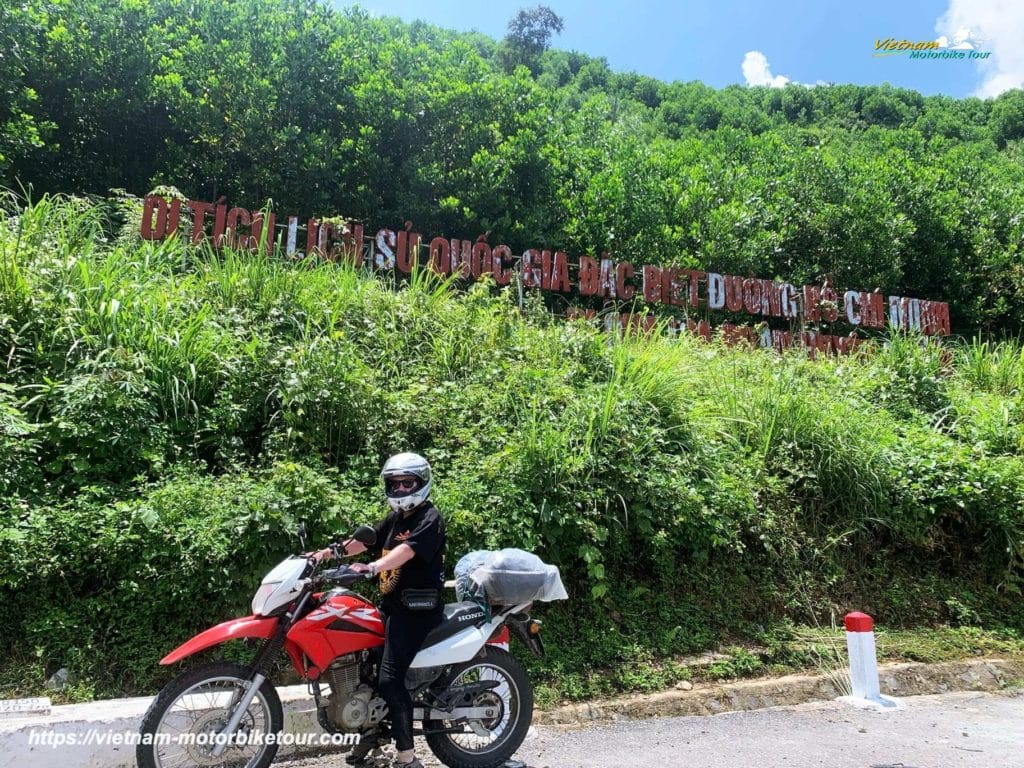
(168, 415)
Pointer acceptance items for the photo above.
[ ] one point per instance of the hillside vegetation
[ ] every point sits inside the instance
(168, 414)
(337, 112)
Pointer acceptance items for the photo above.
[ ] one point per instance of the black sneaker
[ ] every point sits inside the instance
(361, 751)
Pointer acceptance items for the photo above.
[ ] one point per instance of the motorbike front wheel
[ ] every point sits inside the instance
(487, 743)
(179, 729)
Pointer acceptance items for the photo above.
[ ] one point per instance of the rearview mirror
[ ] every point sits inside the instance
(365, 535)
(302, 534)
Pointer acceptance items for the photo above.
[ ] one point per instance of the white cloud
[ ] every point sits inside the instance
(996, 26)
(756, 71)
(964, 39)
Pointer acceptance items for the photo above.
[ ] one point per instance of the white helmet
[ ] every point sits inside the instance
(406, 465)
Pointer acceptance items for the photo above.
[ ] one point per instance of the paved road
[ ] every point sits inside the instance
(968, 730)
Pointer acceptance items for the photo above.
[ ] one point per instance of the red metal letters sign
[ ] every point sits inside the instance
(544, 270)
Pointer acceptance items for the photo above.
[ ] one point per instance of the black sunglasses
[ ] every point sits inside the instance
(401, 483)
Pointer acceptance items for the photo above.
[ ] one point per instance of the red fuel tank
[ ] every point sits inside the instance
(343, 623)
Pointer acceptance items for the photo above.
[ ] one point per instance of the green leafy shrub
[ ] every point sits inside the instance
(169, 414)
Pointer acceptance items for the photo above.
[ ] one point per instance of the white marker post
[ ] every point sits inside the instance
(860, 642)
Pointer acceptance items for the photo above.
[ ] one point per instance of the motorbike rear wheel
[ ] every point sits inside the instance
(192, 707)
(512, 697)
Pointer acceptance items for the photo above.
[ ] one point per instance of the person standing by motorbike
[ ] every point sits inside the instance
(410, 564)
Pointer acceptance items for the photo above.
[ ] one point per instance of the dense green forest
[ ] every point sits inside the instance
(336, 112)
(169, 412)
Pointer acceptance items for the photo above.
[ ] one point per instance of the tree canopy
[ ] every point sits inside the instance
(326, 111)
(529, 35)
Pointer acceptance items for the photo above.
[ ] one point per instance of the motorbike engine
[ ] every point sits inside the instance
(351, 705)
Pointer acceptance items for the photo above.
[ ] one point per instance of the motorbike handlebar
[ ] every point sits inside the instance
(343, 575)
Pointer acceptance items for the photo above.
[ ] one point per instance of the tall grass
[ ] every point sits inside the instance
(996, 367)
(15, 289)
(740, 484)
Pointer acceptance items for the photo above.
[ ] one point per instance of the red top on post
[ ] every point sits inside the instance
(859, 622)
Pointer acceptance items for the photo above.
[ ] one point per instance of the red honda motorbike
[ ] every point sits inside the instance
(472, 699)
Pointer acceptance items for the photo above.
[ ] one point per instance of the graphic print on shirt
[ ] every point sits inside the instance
(389, 579)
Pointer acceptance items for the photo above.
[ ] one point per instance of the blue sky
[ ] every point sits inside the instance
(800, 40)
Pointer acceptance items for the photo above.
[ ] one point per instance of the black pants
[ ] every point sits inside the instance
(404, 632)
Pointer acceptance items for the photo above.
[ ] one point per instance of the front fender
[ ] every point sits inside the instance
(247, 626)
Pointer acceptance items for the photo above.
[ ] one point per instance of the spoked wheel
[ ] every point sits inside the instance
(486, 743)
(184, 719)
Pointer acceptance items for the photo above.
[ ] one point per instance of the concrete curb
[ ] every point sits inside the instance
(711, 699)
(122, 716)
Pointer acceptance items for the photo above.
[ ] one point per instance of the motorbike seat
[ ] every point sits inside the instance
(457, 616)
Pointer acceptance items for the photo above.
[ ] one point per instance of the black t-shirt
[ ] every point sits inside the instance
(424, 531)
